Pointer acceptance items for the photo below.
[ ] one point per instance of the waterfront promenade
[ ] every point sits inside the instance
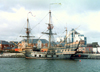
(12, 55)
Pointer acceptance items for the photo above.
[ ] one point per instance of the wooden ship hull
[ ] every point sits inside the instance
(57, 54)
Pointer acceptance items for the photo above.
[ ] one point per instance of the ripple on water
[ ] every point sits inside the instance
(35, 65)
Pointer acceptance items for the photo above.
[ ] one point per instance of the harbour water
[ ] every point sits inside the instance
(35, 65)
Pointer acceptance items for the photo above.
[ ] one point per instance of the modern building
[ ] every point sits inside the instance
(75, 36)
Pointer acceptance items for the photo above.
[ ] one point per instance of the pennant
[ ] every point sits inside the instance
(32, 14)
(55, 3)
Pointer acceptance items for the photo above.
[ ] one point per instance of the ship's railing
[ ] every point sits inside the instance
(67, 52)
(39, 52)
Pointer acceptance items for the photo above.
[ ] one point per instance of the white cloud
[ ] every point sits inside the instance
(13, 16)
(93, 21)
(4, 25)
(16, 16)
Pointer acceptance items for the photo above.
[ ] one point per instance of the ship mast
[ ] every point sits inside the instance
(66, 36)
(27, 32)
(50, 27)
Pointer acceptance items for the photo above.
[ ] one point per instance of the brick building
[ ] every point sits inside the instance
(4, 45)
(39, 43)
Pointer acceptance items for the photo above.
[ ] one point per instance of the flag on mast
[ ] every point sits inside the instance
(31, 14)
(55, 3)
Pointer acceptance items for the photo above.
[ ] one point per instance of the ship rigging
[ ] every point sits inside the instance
(53, 52)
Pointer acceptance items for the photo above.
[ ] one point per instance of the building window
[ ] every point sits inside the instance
(44, 44)
(39, 44)
(4, 46)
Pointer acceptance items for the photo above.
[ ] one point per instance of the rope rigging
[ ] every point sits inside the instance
(23, 27)
(29, 23)
(40, 21)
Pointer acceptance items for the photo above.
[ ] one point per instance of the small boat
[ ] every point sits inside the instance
(51, 52)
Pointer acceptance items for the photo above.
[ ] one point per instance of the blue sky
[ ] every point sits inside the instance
(71, 13)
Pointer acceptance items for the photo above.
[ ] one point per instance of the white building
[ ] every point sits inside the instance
(75, 36)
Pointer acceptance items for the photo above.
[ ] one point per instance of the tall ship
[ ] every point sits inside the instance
(52, 52)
